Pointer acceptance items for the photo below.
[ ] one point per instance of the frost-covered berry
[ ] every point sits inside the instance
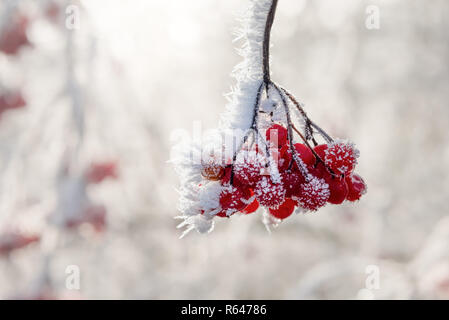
(277, 135)
(284, 158)
(341, 157)
(314, 194)
(212, 171)
(356, 187)
(252, 207)
(248, 166)
(269, 194)
(305, 153)
(338, 189)
(319, 170)
(233, 199)
(292, 183)
(227, 178)
(284, 210)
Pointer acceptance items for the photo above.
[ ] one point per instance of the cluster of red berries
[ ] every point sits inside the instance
(308, 178)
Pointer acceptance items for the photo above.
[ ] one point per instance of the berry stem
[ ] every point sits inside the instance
(266, 44)
(301, 165)
(313, 151)
(309, 123)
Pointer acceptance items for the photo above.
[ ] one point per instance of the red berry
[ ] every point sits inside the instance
(269, 194)
(233, 199)
(319, 171)
(277, 135)
(305, 153)
(222, 214)
(252, 207)
(227, 175)
(284, 158)
(314, 194)
(356, 187)
(248, 166)
(338, 189)
(341, 157)
(292, 183)
(284, 210)
(321, 150)
(227, 178)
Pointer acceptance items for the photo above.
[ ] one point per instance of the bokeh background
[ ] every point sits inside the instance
(91, 94)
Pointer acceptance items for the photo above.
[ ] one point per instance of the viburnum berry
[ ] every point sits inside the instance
(227, 178)
(321, 150)
(222, 214)
(341, 157)
(277, 135)
(248, 166)
(319, 170)
(233, 199)
(212, 171)
(356, 187)
(284, 210)
(269, 194)
(338, 189)
(252, 207)
(284, 158)
(305, 153)
(314, 194)
(292, 183)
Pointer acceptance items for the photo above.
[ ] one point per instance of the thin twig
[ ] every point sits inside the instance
(307, 119)
(301, 165)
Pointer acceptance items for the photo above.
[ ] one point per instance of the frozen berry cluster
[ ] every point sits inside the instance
(252, 160)
(305, 177)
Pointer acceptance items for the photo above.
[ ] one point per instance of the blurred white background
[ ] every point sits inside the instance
(114, 85)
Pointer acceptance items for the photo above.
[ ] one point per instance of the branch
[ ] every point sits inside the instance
(301, 165)
(306, 118)
(266, 81)
(266, 43)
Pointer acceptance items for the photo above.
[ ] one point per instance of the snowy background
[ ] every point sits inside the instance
(115, 86)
